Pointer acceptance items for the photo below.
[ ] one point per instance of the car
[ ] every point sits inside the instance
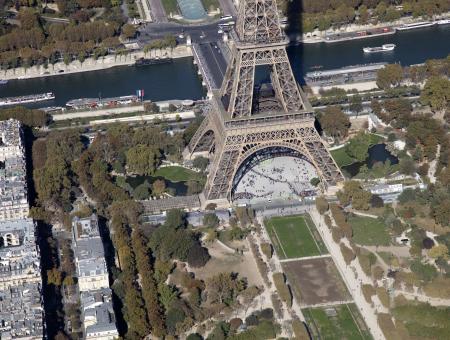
(226, 17)
(220, 31)
(61, 71)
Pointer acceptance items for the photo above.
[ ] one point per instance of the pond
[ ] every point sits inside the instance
(377, 153)
(179, 187)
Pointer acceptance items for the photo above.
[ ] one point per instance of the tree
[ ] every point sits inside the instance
(142, 191)
(223, 288)
(358, 147)
(197, 256)
(128, 31)
(335, 122)
(347, 253)
(142, 160)
(210, 220)
(200, 163)
(438, 251)
(389, 76)
(407, 166)
(54, 277)
(159, 186)
(436, 93)
(314, 181)
(356, 104)
(321, 204)
(353, 193)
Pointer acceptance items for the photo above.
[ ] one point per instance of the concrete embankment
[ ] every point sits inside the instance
(91, 64)
(320, 36)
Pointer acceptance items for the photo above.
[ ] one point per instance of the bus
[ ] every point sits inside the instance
(225, 17)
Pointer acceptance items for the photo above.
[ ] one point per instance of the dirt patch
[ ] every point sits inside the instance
(315, 281)
(225, 260)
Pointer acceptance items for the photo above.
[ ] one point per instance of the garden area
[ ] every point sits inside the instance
(177, 174)
(294, 236)
(368, 231)
(337, 322)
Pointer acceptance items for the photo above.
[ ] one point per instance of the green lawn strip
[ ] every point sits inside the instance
(341, 326)
(275, 240)
(295, 238)
(177, 173)
(170, 6)
(357, 317)
(369, 231)
(341, 157)
(315, 233)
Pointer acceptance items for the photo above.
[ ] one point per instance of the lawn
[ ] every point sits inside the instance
(292, 237)
(346, 324)
(176, 173)
(369, 231)
(341, 157)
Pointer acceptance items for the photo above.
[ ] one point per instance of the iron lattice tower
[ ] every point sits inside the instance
(246, 119)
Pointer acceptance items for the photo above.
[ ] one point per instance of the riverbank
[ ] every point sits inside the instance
(329, 35)
(92, 64)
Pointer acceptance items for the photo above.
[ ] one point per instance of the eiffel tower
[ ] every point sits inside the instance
(249, 123)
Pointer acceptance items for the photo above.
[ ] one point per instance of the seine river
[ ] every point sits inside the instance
(179, 80)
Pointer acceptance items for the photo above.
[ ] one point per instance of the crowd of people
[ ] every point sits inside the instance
(283, 177)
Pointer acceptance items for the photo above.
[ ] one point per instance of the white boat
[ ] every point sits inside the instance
(383, 48)
(33, 98)
(443, 22)
(421, 24)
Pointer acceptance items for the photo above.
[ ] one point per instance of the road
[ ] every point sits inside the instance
(214, 62)
(207, 32)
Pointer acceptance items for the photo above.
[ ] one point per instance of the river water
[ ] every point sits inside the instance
(179, 80)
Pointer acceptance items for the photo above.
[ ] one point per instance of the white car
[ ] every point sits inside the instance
(220, 31)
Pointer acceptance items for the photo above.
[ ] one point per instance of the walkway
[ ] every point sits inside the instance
(305, 258)
(353, 276)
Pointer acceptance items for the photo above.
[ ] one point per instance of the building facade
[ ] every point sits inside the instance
(13, 183)
(21, 311)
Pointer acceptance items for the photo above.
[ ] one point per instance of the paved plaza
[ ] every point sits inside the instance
(283, 177)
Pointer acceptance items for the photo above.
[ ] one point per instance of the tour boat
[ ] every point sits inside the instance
(443, 22)
(383, 48)
(33, 98)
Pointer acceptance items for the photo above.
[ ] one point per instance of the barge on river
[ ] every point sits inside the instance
(28, 99)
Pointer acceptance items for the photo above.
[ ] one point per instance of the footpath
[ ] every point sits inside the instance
(91, 64)
(353, 276)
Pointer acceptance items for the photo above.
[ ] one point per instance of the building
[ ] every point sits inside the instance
(13, 184)
(89, 254)
(97, 311)
(21, 311)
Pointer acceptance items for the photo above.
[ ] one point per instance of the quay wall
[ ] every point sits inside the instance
(91, 64)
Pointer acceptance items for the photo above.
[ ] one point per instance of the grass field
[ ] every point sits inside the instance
(341, 157)
(346, 324)
(294, 236)
(176, 173)
(369, 231)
